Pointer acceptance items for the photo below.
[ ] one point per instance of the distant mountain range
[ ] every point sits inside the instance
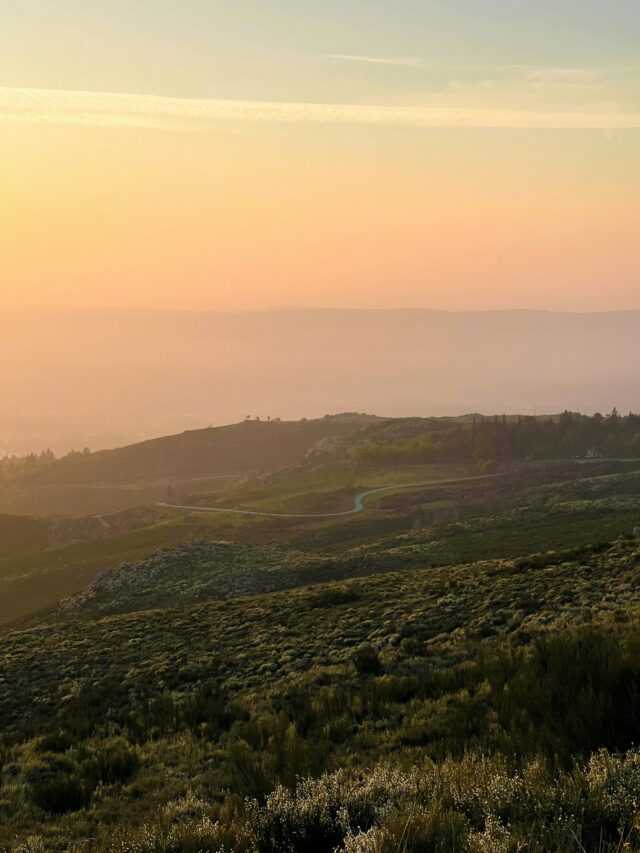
(111, 377)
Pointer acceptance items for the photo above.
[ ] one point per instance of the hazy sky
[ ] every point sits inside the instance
(196, 153)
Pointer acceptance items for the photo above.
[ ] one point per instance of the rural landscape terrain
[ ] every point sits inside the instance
(319, 426)
(353, 633)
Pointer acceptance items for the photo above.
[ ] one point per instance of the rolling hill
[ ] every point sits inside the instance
(241, 448)
(144, 473)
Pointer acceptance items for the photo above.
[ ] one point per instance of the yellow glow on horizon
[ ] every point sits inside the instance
(245, 218)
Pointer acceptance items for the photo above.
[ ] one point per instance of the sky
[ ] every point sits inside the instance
(198, 154)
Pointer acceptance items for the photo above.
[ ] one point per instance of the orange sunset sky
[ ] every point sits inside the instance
(247, 155)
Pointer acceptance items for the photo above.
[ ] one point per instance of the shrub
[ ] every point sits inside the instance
(117, 762)
(57, 785)
(367, 661)
(431, 830)
(321, 813)
(55, 742)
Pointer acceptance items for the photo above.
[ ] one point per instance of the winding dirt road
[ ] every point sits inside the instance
(358, 501)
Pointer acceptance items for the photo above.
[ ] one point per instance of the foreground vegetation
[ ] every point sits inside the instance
(457, 669)
(483, 694)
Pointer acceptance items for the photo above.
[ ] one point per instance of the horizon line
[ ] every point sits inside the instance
(273, 309)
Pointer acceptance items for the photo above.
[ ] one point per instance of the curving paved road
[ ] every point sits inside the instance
(358, 501)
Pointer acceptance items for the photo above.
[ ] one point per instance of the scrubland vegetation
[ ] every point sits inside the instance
(484, 704)
(457, 669)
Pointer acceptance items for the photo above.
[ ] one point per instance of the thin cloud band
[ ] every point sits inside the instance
(132, 110)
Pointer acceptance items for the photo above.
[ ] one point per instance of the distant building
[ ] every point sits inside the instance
(593, 453)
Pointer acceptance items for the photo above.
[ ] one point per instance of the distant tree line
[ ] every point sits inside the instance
(504, 439)
(15, 468)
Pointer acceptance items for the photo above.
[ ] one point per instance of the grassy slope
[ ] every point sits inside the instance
(195, 461)
(330, 487)
(94, 498)
(19, 534)
(444, 611)
(193, 617)
(35, 576)
(40, 576)
(247, 446)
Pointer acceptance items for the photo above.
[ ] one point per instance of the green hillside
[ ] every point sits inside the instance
(20, 534)
(106, 720)
(149, 472)
(438, 614)
(455, 668)
(237, 448)
(515, 515)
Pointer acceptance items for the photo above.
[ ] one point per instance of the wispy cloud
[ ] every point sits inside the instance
(529, 73)
(399, 61)
(129, 110)
(566, 76)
